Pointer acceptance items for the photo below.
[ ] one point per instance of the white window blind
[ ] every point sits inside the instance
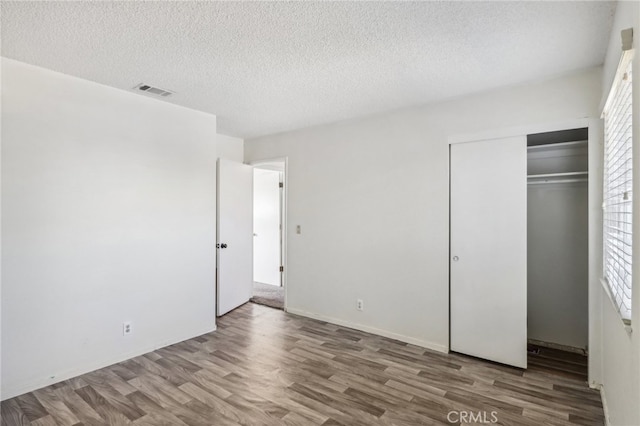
(617, 190)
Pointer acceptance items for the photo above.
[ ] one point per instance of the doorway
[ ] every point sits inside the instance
(557, 251)
(268, 233)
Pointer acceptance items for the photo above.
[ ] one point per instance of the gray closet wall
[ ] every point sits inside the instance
(557, 240)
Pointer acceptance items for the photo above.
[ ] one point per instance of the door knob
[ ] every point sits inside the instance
(223, 245)
(456, 258)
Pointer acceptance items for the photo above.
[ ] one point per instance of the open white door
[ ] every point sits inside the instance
(489, 250)
(235, 235)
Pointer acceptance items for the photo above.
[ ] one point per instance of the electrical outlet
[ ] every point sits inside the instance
(359, 304)
(126, 328)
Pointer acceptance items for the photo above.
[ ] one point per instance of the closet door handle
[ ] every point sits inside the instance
(456, 258)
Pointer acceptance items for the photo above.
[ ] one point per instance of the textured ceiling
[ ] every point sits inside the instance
(267, 67)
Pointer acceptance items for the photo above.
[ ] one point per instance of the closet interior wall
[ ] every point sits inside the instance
(557, 238)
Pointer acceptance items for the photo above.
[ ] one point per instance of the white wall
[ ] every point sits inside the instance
(108, 215)
(372, 196)
(620, 348)
(266, 226)
(230, 148)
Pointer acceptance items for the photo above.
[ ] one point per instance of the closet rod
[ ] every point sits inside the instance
(542, 182)
(551, 175)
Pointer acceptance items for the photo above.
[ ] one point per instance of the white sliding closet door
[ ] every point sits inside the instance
(489, 250)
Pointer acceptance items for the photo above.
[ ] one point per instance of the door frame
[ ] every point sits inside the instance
(594, 124)
(284, 213)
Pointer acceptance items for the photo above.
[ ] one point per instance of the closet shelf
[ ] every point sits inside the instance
(565, 177)
(556, 146)
(557, 175)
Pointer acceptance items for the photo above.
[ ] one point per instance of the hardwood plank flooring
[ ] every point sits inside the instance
(266, 367)
(558, 362)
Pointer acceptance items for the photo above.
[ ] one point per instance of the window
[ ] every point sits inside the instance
(617, 189)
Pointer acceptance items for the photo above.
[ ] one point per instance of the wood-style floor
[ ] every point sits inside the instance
(265, 367)
(557, 362)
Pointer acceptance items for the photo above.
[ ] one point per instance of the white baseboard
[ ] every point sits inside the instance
(22, 388)
(605, 407)
(384, 333)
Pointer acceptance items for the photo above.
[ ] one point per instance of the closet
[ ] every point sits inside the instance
(557, 239)
(519, 245)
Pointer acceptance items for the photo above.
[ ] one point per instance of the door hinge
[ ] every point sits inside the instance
(282, 269)
(281, 185)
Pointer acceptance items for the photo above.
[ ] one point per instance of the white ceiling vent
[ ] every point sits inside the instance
(153, 90)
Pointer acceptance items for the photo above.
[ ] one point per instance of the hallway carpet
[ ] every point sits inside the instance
(268, 295)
